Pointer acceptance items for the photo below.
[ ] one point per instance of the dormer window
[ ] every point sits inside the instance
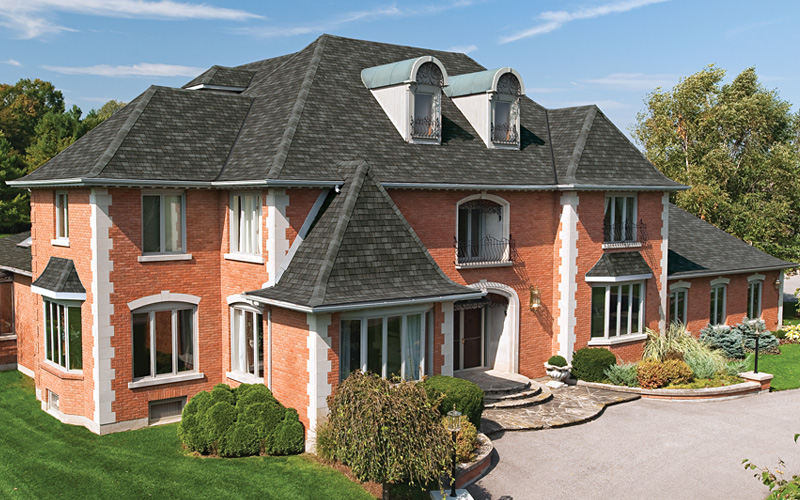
(410, 93)
(490, 101)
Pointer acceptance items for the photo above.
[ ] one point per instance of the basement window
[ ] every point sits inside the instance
(165, 411)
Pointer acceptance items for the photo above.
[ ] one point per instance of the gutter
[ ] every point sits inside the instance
(364, 305)
(705, 274)
(89, 182)
(16, 271)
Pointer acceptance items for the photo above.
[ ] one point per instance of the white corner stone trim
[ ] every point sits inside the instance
(447, 332)
(319, 366)
(507, 359)
(277, 224)
(568, 271)
(663, 290)
(102, 308)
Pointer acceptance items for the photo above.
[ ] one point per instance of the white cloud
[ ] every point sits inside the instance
(464, 49)
(12, 62)
(350, 17)
(635, 81)
(31, 18)
(552, 20)
(143, 69)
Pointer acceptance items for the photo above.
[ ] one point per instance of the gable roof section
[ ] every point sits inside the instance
(59, 280)
(697, 248)
(616, 265)
(15, 258)
(361, 252)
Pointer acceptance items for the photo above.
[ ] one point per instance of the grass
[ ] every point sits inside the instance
(43, 458)
(784, 366)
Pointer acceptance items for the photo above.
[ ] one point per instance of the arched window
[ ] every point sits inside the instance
(505, 111)
(426, 114)
(482, 237)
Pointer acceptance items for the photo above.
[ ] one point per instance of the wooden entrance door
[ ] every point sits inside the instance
(472, 338)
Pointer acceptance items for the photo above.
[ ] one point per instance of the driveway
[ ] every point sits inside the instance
(649, 449)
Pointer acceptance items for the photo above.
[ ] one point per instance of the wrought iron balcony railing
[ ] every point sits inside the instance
(625, 233)
(486, 250)
(425, 128)
(505, 134)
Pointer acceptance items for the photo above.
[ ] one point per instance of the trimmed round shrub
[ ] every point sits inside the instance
(677, 372)
(651, 374)
(241, 440)
(190, 430)
(557, 361)
(590, 364)
(465, 395)
(222, 393)
(216, 422)
(289, 436)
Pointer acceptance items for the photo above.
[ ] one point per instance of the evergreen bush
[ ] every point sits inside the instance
(557, 361)
(624, 374)
(590, 364)
(728, 340)
(288, 438)
(467, 396)
(216, 422)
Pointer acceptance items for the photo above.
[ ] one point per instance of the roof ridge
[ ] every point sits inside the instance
(297, 111)
(550, 145)
(580, 144)
(351, 196)
(122, 133)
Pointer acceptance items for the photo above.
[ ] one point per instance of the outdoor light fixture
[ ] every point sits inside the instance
(778, 284)
(536, 300)
(453, 420)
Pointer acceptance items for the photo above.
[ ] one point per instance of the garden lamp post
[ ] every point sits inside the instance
(454, 425)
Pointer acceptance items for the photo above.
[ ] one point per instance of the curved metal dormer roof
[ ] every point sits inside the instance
(482, 82)
(399, 72)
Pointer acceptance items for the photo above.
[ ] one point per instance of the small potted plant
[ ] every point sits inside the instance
(558, 369)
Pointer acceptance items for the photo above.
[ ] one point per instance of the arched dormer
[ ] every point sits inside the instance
(410, 93)
(490, 101)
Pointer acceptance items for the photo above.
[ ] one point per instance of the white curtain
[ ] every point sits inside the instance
(413, 346)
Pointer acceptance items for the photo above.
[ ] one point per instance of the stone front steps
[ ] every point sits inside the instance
(532, 395)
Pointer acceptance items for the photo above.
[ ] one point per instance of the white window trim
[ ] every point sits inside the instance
(618, 279)
(642, 310)
(623, 339)
(513, 101)
(720, 281)
(240, 376)
(66, 303)
(62, 211)
(679, 284)
(167, 257)
(235, 253)
(712, 314)
(673, 313)
(58, 296)
(165, 379)
(613, 206)
(751, 281)
(506, 227)
(436, 95)
(182, 255)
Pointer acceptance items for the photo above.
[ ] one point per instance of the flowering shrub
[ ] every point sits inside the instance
(792, 332)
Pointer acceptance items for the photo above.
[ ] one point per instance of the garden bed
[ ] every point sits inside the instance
(470, 472)
(711, 393)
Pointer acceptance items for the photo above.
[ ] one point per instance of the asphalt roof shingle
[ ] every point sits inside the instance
(60, 276)
(13, 257)
(619, 264)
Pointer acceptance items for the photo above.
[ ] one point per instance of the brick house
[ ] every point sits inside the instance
(352, 205)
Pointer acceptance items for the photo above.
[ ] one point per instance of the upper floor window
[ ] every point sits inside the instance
(164, 339)
(620, 219)
(427, 99)
(163, 221)
(247, 332)
(505, 107)
(62, 216)
(718, 298)
(483, 236)
(617, 309)
(246, 224)
(6, 304)
(678, 304)
(754, 290)
(62, 334)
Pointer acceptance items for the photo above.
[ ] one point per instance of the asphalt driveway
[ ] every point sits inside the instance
(649, 449)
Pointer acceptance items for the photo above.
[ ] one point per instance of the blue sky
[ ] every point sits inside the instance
(569, 52)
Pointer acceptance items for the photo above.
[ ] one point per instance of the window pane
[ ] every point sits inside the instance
(394, 352)
(413, 346)
(350, 349)
(476, 235)
(6, 307)
(612, 313)
(173, 233)
(249, 345)
(151, 223)
(163, 342)
(598, 311)
(463, 232)
(237, 342)
(502, 116)
(375, 345)
(48, 330)
(624, 298)
(259, 346)
(185, 340)
(75, 342)
(680, 314)
(62, 335)
(423, 115)
(141, 345)
(636, 297)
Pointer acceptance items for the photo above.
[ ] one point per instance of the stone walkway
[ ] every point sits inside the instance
(569, 405)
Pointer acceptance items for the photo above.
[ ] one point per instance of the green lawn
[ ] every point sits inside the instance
(785, 367)
(42, 458)
(790, 314)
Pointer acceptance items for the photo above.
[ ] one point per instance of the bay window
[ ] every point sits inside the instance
(163, 223)
(246, 224)
(617, 310)
(247, 333)
(164, 339)
(62, 334)
(391, 345)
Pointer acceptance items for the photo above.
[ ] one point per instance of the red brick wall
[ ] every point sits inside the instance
(290, 360)
(24, 317)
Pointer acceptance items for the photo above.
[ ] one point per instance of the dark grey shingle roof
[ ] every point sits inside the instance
(360, 249)
(223, 76)
(310, 109)
(60, 276)
(15, 258)
(619, 264)
(697, 248)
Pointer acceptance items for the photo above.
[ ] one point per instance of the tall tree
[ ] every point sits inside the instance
(736, 145)
(22, 105)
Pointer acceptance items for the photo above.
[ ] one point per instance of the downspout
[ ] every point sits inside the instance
(269, 348)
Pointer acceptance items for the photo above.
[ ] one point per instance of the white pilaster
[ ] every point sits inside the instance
(102, 309)
(277, 223)
(319, 366)
(447, 332)
(780, 299)
(568, 271)
(663, 289)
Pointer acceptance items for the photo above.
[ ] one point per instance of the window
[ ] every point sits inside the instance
(62, 334)
(247, 333)
(617, 309)
(505, 109)
(246, 224)
(620, 219)
(386, 345)
(163, 219)
(718, 296)
(426, 105)
(62, 218)
(483, 233)
(754, 299)
(164, 340)
(6, 304)
(678, 304)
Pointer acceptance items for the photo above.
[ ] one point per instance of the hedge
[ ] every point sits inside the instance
(467, 396)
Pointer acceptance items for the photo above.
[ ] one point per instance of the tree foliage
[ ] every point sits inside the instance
(34, 127)
(736, 145)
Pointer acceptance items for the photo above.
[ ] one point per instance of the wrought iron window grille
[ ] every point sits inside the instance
(486, 250)
(626, 232)
(425, 128)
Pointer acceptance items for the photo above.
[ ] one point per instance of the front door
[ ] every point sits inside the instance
(472, 338)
